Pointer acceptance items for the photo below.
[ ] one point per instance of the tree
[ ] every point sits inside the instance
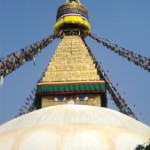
(145, 146)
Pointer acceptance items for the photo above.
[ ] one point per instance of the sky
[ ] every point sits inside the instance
(124, 22)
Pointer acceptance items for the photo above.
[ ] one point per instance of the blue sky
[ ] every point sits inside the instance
(125, 23)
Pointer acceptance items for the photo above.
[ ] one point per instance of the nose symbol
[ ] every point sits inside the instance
(71, 102)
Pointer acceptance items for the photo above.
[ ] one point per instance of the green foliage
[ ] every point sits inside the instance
(145, 146)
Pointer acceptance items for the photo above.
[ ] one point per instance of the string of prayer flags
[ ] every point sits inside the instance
(11, 62)
(137, 59)
(29, 104)
(119, 101)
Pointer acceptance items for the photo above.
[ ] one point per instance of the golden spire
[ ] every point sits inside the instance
(72, 15)
(71, 76)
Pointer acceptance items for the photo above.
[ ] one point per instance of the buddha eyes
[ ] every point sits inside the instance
(78, 98)
(82, 98)
(59, 99)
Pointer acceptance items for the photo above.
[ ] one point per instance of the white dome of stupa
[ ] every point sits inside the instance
(73, 127)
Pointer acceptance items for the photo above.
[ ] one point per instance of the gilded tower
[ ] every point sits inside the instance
(71, 76)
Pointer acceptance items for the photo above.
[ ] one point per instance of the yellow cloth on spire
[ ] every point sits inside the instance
(71, 20)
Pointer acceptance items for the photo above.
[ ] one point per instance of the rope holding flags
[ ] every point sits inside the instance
(29, 103)
(119, 101)
(14, 60)
(137, 59)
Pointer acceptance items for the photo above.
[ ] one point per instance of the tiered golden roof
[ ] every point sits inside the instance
(71, 62)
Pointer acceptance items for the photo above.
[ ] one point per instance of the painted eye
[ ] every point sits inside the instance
(82, 98)
(59, 99)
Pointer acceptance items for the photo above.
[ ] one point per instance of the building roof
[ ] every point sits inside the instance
(73, 127)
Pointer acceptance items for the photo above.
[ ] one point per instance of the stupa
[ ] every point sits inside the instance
(71, 99)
